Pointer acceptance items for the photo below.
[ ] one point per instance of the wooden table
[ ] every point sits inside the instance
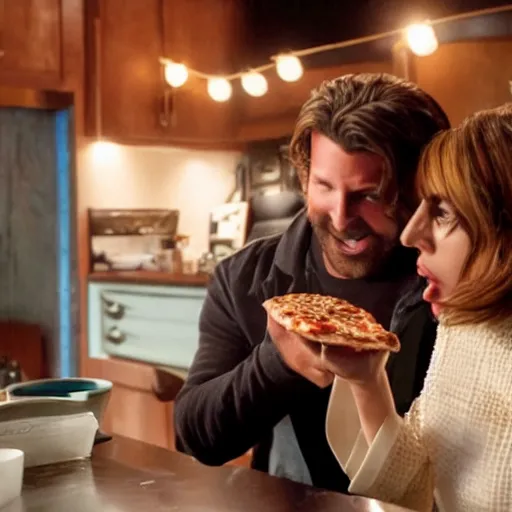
(125, 475)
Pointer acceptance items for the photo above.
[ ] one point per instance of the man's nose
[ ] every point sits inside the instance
(340, 214)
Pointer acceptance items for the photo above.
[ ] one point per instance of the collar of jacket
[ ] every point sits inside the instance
(289, 266)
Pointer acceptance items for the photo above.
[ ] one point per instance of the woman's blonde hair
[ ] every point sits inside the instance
(471, 167)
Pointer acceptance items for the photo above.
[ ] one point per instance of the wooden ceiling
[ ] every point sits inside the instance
(280, 25)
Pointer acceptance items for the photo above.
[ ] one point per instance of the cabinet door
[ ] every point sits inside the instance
(204, 35)
(126, 50)
(30, 41)
(126, 42)
(130, 74)
(133, 410)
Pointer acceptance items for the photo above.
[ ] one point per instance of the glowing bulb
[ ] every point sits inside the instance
(254, 84)
(219, 89)
(422, 39)
(289, 67)
(175, 74)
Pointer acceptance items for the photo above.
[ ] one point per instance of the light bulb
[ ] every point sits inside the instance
(255, 84)
(289, 67)
(175, 74)
(219, 89)
(422, 39)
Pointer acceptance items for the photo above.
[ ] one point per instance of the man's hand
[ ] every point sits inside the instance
(301, 355)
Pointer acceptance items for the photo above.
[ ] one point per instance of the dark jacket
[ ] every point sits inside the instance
(239, 390)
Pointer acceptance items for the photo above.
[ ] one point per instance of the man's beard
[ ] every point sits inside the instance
(354, 266)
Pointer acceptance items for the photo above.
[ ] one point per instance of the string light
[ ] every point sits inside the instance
(289, 67)
(175, 74)
(219, 89)
(254, 84)
(420, 37)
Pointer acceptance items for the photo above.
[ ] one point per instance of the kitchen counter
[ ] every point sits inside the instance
(127, 475)
(150, 277)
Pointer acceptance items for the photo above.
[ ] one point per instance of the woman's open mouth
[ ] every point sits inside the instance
(432, 292)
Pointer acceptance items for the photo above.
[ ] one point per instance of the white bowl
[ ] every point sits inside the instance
(11, 475)
(26, 399)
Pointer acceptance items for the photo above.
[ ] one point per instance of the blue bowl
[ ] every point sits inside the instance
(63, 388)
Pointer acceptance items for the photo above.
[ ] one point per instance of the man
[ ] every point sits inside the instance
(253, 384)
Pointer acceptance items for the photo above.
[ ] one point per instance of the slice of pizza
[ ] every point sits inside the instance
(330, 321)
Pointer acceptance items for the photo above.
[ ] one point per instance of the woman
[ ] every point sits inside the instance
(455, 444)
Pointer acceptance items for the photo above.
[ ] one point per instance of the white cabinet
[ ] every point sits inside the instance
(151, 323)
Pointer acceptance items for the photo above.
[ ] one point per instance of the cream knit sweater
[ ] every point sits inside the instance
(456, 441)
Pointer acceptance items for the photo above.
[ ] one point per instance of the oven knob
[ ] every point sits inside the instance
(115, 335)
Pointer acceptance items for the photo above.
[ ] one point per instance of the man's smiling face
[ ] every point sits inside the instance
(352, 221)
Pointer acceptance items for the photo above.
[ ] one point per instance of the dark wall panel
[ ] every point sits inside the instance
(29, 224)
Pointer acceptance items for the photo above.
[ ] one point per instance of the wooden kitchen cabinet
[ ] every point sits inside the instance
(126, 38)
(133, 410)
(205, 35)
(125, 87)
(31, 42)
(131, 328)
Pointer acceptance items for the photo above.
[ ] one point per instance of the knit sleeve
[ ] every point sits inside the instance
(395, 468)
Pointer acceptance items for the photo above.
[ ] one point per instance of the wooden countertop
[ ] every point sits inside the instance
(150, 277)
(127, 475)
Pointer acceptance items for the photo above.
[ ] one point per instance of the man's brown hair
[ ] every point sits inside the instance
(471, 168)
(376, 113)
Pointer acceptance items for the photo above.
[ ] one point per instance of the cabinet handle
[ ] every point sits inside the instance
(114, 309)
(115, 335)
(167, 108)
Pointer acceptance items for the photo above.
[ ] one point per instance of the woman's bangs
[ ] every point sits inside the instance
(435, 169)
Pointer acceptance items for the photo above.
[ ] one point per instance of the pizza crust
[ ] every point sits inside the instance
(349, 325)
(357, 344)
